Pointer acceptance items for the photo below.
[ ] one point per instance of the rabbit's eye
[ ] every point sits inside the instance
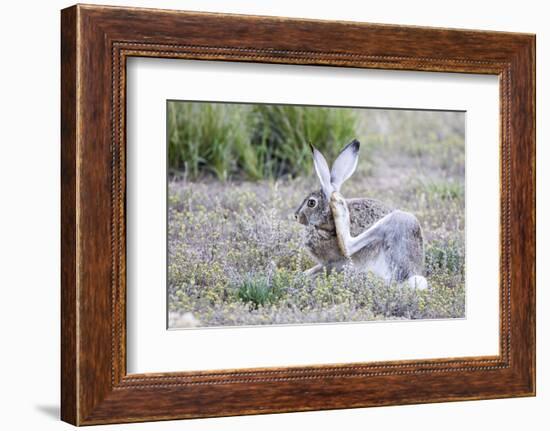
(311, 203)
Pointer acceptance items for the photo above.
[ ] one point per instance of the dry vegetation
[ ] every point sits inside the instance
(236, 254)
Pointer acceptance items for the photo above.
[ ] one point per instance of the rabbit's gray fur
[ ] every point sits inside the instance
(393, 241)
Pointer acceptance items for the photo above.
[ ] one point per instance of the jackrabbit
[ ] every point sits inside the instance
(376, 238)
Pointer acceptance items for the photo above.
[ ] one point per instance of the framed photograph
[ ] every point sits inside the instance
(264, 214)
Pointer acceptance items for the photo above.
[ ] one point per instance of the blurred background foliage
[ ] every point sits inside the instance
(252, 141)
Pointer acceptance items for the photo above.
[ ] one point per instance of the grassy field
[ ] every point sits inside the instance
(236, 254)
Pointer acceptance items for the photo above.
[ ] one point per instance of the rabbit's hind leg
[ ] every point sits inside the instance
(350, 245)
(340, 213)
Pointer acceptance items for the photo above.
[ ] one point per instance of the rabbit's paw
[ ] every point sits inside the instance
(339, 207)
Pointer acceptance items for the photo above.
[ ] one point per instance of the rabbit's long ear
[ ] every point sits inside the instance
(345, 164)
(323, 172)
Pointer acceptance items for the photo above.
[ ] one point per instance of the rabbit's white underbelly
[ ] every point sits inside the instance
(378, 265)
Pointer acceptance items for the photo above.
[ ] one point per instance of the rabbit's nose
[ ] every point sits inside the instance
(299, 217)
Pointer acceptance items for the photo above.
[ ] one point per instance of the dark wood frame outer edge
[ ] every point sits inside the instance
(95, 43)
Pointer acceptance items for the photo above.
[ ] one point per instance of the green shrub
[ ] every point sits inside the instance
(447, 256)
(257, 291)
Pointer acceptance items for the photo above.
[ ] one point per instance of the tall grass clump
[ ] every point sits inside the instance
(205, 137)
(252, 142)
(282, 134)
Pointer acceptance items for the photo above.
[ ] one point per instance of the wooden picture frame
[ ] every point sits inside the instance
(95, 43)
